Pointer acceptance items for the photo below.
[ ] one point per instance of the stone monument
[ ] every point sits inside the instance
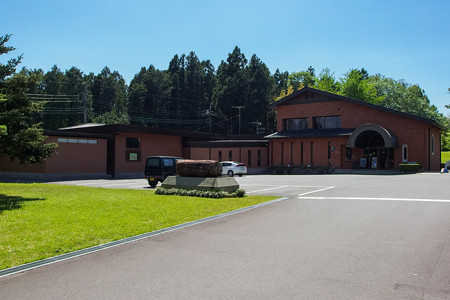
(200, 175)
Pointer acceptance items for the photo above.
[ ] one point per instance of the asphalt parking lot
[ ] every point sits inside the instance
(422, 185)
(336, 237)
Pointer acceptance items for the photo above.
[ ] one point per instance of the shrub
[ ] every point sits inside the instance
(200, 193)
(279, 170)
(410, 168)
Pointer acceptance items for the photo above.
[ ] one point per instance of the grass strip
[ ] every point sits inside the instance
(445, 156)
(38, 221)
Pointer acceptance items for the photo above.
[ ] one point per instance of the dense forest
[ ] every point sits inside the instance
(193, 95)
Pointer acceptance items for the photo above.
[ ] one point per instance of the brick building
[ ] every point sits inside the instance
(98, 150)
(317, 128)
(314, 128)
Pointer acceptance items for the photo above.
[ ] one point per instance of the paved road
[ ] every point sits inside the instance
(338, 237)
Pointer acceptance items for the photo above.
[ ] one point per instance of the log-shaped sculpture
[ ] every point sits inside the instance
(199, 168)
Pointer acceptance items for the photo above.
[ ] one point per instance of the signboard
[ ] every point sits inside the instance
(374, 162)
(363, 162)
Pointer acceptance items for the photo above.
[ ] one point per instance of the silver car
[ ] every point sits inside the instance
(232, 168)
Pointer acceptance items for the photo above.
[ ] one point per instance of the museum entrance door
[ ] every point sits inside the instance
(377, 145)
(378, 158)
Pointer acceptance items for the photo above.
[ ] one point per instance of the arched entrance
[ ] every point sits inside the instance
(376, 145)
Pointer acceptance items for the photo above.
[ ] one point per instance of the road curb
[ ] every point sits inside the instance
(55, 259)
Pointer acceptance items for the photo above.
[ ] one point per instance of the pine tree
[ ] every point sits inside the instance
(23, 139)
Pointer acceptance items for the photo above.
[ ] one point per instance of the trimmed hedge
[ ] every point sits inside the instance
(410, 168)
(200, 193)
(299, 170)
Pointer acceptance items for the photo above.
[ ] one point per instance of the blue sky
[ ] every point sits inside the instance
(407, 40)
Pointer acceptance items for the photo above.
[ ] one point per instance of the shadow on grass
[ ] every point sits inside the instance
(13, 202)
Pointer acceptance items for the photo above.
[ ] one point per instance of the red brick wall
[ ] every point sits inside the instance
(320, 151)
(150, 145)
(78, 157)
(239, 154)
(70, 158)
(415, 134)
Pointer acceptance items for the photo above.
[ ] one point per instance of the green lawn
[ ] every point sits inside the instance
(41, 220)
(445, 156)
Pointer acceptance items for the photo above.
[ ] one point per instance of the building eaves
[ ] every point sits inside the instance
(227, 143)
(78, 134)
(121, 128)
(311, 133)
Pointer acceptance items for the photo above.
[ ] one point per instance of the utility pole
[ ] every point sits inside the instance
(85, 104)
(210, 115)
(257, 126)
(239, 108)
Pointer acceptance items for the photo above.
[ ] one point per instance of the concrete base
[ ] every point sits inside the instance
(227, 184)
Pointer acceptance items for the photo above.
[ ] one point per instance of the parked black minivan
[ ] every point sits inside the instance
(157, 168)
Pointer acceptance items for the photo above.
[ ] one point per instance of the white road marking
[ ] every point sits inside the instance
(374, 199)
(272, 188)
(316, 191)
(292, 186)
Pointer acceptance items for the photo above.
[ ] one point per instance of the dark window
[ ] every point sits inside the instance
(329, 153)
(282, 153)
(168, 162)
(230, 155)
(153, 162)
(312, 151)
(295, 124)
(259, 158)
(405, 153)
(348, 153)
(301, 153)
(220, 155)
(133, 143)
(133, 153)
(327, 122)
(249, 158)
(292, 153)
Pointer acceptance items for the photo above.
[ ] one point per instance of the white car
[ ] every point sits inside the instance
(232, 168)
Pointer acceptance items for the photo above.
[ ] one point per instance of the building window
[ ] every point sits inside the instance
(230, 155)
(133, 143)
(259, 158)
(249, 158)
(404, 153)
(133, 156)
(77, 141)
(327, 122)
(282, 153)
(295, 124)
(292, 153)
(220, 155)
(312, 151)
(329, 152)
(301, 153)
(133, 149)
(348, 153)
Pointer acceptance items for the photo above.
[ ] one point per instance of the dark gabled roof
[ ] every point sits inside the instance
(93, 135)
(311, 133)
(359, 102)
(119, 128)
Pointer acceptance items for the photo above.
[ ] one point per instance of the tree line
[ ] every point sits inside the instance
(191, 94)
